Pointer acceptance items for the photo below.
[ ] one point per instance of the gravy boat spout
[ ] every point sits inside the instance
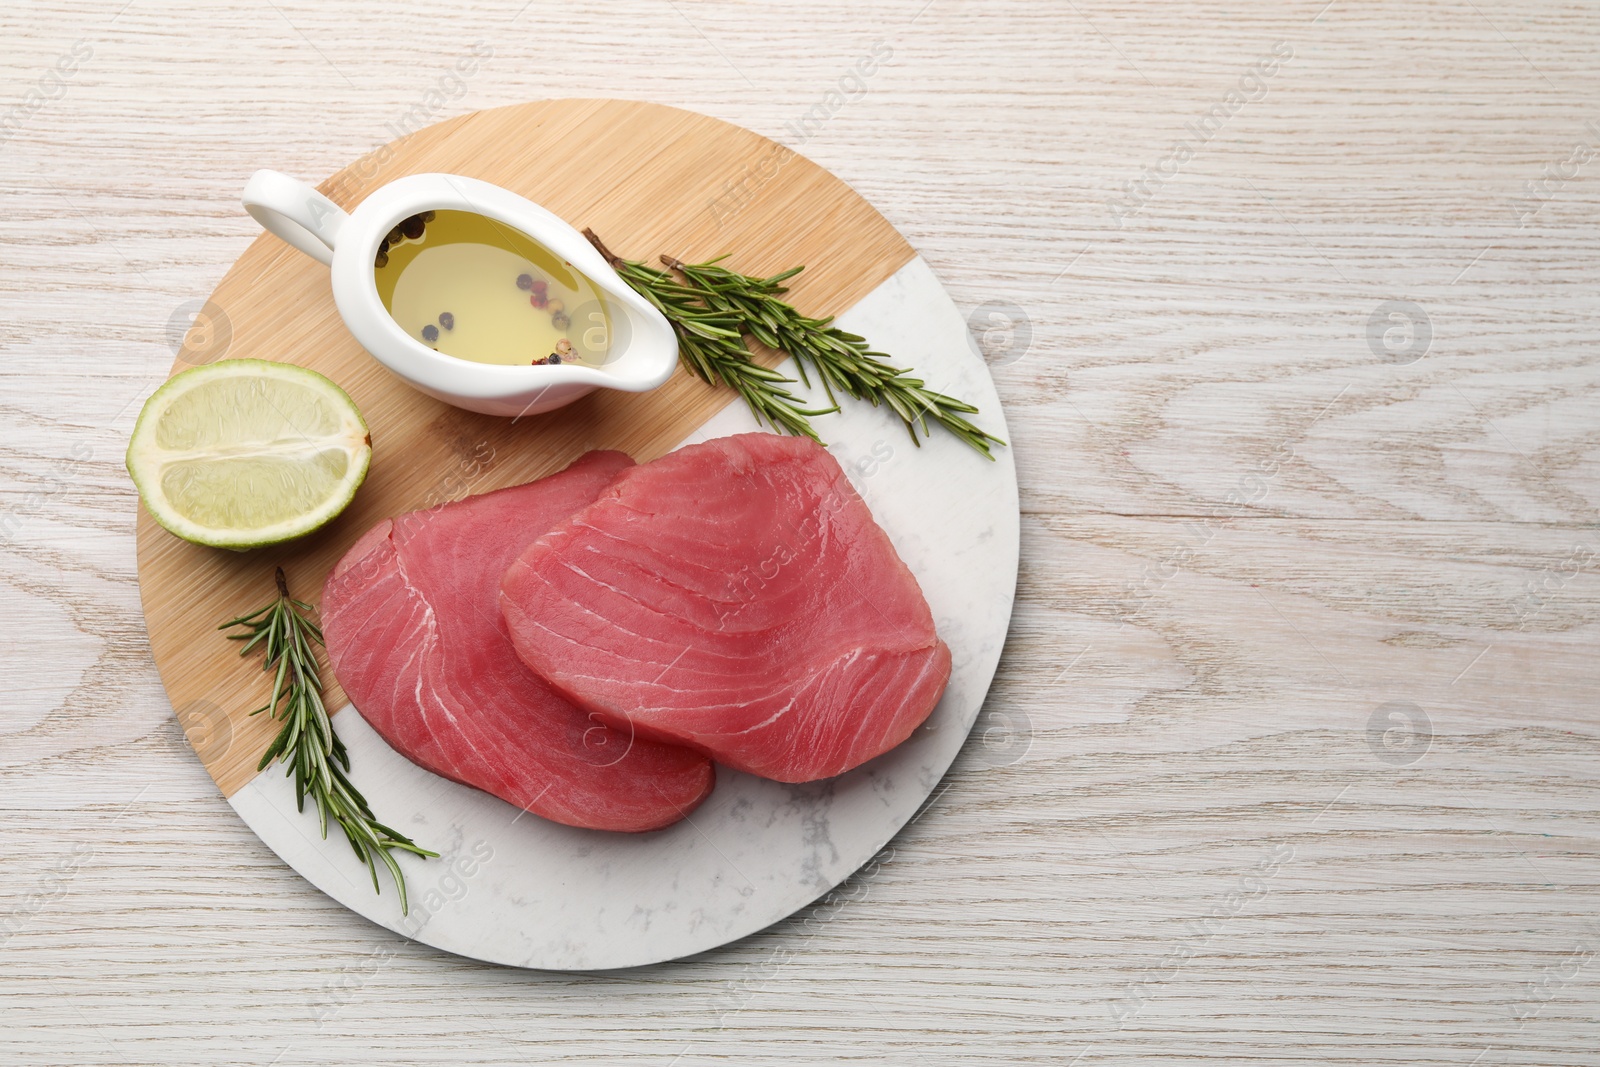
(617, 339)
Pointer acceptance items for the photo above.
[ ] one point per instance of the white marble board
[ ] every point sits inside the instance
(515, 889)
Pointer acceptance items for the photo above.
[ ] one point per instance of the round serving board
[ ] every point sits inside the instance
(511, 887)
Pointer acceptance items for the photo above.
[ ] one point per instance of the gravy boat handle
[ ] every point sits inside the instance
(296, 212)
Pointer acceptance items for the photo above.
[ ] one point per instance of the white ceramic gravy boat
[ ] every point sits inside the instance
(642, 351)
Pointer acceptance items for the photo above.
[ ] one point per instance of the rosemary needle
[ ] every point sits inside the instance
(306, 743)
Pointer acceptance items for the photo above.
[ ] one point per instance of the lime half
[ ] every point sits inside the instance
(243, 452)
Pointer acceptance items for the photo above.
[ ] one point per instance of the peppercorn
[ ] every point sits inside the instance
(395, 236)
(556, 305)
(382, 260)
(447, 320)
(430, 333)
(561, 320)
(412, 226)
(537, 299)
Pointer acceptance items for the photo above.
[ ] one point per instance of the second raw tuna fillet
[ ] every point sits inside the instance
(416, 638)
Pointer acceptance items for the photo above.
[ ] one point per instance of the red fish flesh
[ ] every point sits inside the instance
(416, 638)
(736, 597)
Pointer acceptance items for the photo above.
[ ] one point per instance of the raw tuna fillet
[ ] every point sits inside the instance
(416, 638)
(736, 597)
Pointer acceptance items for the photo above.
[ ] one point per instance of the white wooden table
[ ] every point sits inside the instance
(1293, 752)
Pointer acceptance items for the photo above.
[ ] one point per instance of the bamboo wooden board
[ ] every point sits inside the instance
(649, 179)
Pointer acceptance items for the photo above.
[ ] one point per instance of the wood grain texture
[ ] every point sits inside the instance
(1184, 842)
(648, 179)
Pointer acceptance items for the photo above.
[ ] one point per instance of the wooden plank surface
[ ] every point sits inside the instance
(647, 178)
(1293, 752)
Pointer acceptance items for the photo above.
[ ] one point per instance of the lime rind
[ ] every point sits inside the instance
(244, 453)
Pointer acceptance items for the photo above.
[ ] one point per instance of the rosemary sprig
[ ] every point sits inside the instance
(711, 344)
(843, 361)
(713, 309)
(314, 754)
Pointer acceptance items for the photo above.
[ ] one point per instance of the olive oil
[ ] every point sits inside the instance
(473, 288)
